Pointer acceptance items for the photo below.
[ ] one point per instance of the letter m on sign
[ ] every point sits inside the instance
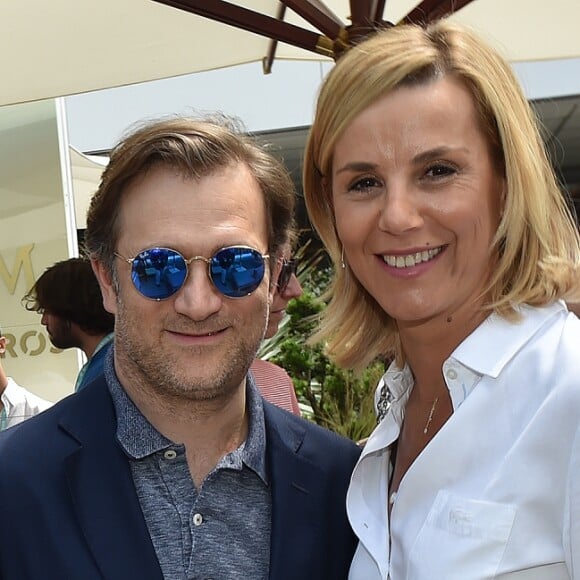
(22, 264)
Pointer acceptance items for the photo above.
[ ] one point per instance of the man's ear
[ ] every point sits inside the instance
(107, 288)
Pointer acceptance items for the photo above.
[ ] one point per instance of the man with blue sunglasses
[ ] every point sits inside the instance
(172, 465)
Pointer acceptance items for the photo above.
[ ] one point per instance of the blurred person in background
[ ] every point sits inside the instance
(273, 381)
(16, 403)
(68, 297)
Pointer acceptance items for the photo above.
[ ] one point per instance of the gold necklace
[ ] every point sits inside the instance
(430, 417)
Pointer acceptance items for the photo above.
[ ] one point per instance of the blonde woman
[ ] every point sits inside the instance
(426, 178)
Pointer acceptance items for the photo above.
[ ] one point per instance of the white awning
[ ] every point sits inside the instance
(60, 47)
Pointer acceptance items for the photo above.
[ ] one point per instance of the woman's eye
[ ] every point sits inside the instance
(364, 184)
(440, 170)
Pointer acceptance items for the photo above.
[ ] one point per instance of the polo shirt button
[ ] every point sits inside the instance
(197, 520)
(170, 454)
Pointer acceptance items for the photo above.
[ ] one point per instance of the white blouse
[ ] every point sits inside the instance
(496, 492)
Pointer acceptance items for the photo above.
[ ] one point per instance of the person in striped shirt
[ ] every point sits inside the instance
(273, 381)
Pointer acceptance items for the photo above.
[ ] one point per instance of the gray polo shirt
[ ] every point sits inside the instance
(219, 532)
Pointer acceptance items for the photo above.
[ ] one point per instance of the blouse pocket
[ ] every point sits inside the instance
(461, 539)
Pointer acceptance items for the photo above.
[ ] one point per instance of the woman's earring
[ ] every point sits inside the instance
(342, 264)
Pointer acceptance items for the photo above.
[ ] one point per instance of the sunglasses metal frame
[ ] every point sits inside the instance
(187, 262)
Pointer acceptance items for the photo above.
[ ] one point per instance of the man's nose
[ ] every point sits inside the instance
(198, 298)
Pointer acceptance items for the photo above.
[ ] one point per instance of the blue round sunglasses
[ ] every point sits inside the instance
(158, 273)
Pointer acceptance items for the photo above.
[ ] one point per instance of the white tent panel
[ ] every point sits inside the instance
(62, 47)
(86, 175)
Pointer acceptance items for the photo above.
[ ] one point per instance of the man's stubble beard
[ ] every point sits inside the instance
(63, 337)
(150, 368)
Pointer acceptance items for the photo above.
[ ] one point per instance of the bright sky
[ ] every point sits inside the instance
(282, 99)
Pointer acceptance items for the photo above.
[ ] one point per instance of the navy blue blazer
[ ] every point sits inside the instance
(69, 509)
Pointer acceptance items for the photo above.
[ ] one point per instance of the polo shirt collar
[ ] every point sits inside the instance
(139, 438)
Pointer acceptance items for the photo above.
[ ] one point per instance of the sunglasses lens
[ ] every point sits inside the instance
(158, 273)
(288, 268)
(237, 271)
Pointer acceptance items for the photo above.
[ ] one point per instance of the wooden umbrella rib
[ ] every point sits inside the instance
(318, 14)
(361, 12)
(331, 28)
(366, 17)
(268, 60)
(430, 10)
(252, 21)
(378, 10)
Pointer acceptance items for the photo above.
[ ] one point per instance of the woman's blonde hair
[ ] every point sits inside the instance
(536, 242)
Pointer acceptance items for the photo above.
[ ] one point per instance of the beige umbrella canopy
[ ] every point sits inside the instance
(60, 47)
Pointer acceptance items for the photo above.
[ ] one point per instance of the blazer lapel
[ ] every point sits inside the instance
(102, 490)
(292, 478)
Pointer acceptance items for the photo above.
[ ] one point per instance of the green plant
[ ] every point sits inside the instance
(332, 397)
